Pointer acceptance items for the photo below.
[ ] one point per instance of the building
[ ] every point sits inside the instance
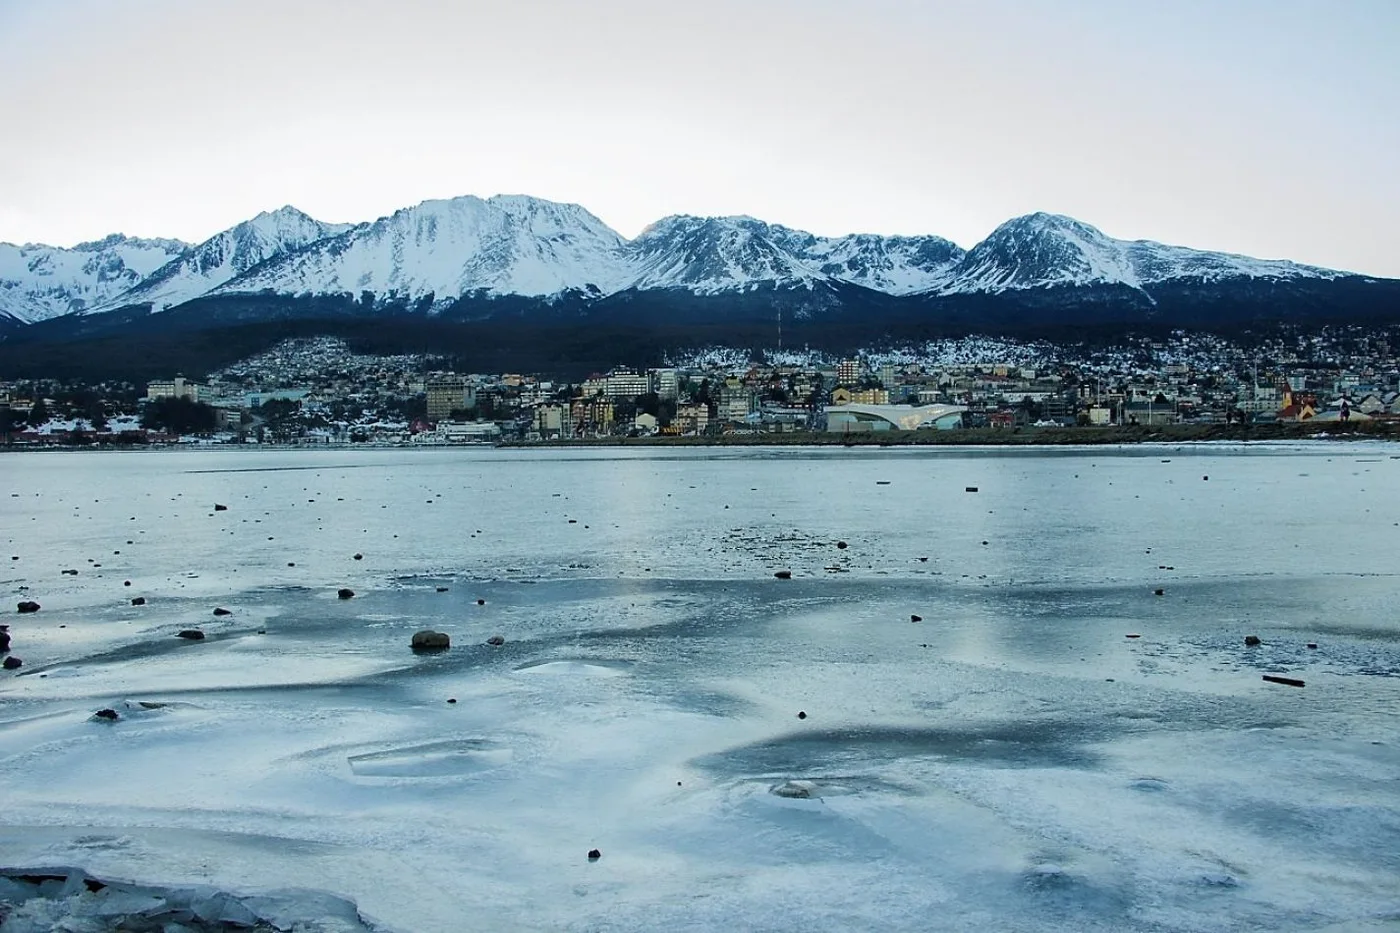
(626, 385)
(1148, 413)
(591, 416)
(666, 383)
(853, 419)
(848, 372)
(844, 396)
(692, 419)
(466, 432)
(179, 387)
(736, 401)
(447, 395)
(254, 399)
(550, 420)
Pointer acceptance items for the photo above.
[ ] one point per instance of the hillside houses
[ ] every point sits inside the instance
(317, 391)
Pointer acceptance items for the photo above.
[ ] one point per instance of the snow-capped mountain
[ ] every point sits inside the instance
(512, 245)
(225, 256)
(41, 282)
(707, 255)
(504, 245)
(895, 265)
(1050, 250)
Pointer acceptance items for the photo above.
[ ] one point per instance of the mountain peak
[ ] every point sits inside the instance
(286, 212)
(447, 248)
(515, 244)
(40, 282)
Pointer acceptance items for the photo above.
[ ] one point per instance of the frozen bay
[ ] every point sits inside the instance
(1013, 760)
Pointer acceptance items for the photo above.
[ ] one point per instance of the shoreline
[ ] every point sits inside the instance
(1009, 437)
(960, 437)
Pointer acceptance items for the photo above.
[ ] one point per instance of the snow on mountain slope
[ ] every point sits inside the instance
(1158, 262)
(507, 244)
(41, 282)
(896, 265)
(1049, 250)
(706, 255)
(225, 256)
(518, 245)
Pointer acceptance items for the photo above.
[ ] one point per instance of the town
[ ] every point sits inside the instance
(317, 391)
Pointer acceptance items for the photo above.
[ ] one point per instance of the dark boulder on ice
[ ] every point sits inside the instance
(220, 508)
(345, 593)
(138, 600)
(428, 640)
(442, 589)
(359, 557)
(190, 634)
(13, 663)
(110, 715)
(1252, 641)
(594, 855)
(4, 641)
(842, 545)
(916, 618)
(496, 641)
(221, 611)
(28, 605)
(802, 714)
(783, 574)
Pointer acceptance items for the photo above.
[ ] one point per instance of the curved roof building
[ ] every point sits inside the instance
(845, 418)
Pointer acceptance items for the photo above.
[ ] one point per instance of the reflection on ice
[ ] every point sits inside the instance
(1009, 762)
(577, 667)
(434, 759)
(1039, 744)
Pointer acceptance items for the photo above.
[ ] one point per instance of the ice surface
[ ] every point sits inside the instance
(1011, 762)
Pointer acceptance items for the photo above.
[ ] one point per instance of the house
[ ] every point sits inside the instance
(550, 420)
(692, 419)
(1297, 406)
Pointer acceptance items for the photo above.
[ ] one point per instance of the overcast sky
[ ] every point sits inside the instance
(1267, 127)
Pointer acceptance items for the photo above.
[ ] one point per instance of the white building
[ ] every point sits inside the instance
(179, 387)
(627, 385)
(666, 383)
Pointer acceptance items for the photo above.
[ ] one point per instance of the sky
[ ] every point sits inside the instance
(1265, 127)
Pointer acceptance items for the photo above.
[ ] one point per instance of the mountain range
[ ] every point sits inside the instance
(522, 259)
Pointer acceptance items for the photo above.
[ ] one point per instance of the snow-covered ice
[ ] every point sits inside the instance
(1012, 761)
